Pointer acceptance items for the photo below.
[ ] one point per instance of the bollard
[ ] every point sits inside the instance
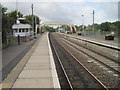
(18, 39)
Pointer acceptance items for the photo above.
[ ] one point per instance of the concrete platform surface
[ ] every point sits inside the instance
(39, 71)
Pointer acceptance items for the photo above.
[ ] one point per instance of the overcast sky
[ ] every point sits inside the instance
(68, 10)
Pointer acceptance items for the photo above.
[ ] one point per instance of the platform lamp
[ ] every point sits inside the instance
(93, 21)
(83, 24)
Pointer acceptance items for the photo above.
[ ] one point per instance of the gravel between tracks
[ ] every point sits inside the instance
(107, 78)
(77, 75)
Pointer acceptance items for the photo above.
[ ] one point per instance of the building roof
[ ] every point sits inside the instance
(60, 29)
(20, 25)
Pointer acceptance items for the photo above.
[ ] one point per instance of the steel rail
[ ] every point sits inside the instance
(97, 52)
(95, 42)
(85, 68)
(118, 72)
(62, 67)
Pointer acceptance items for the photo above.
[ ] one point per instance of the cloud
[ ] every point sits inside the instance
(100, 16)
(108, 11)
(60, 0)
(43, 0)
(105, 0)
(68, 11)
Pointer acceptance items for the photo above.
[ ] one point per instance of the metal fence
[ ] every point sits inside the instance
(100, 34)
(14, 40)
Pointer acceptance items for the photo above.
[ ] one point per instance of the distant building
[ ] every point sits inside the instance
(61, 30)
(22, 30)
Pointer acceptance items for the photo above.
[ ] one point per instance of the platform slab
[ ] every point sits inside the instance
(35, 74)
(39, 71)
(34, 83)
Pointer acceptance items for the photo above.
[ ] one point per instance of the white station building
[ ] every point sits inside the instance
(22, 30)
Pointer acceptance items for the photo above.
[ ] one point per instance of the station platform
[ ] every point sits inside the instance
(40, 70)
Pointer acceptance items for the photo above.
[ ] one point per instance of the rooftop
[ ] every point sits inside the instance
(20, 25)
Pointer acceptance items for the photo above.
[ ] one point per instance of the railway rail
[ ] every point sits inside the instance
(113, 59)
(67, 78)
(66, 65)
(102, 59)
(97, 43)
(112, 54)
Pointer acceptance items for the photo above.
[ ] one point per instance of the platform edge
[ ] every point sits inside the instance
(53, 67)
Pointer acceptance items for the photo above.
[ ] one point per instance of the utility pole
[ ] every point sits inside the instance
(17, 22)
(32, 20)
(93, 20)
(17, 11)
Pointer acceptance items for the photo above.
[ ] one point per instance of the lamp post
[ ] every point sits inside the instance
(93, 21)
(83, 24)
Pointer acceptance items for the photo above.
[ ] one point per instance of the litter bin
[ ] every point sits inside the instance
(109, 37)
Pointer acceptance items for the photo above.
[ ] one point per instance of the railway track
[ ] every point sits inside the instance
(73, 69)
(112, 56)
(67, 78)
(113, 59)
(102, 59)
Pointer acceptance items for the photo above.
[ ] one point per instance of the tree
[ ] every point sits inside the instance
(8, 19)
(115, 26)
(28, 19)
(48, 28)
(77, 27)
(4, 24)
(12, 17)
(97, 27)
(105, 26)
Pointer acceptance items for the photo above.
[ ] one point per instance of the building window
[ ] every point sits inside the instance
(23, 30)
(20, 30)
(15, 30)
(26, 30)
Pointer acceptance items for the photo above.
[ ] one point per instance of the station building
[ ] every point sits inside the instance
(23, 30)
